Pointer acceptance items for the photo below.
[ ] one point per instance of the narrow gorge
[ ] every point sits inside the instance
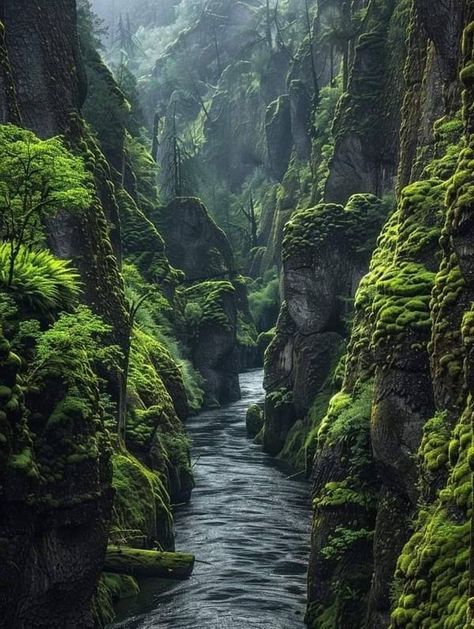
(236, 314)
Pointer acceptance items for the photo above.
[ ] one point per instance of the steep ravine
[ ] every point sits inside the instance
(190, 189)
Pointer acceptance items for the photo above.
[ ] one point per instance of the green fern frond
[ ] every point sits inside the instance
(41, 281)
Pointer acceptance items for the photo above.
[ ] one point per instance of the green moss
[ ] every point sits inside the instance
(151, 405)
(433, 569)
(280, 397)
(264, 339)
(294, 450)
(254, 420)
(110, 589)
(141, 512)
(246, 331)
(205, 304)
(357, 225)
(348, 496)
(342, 540)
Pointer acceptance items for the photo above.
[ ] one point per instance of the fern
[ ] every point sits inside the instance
(41, 282)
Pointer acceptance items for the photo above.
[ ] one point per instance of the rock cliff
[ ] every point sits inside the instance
(385, 430)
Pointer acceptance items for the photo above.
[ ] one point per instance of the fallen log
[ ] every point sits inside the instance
(148, 563)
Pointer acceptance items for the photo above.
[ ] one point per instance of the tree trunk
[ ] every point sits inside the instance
(148, 563)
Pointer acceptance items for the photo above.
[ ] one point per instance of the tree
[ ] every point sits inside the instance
(38, 179)
(251, 216)
(268, 26)
(175, 157)
(311, 52)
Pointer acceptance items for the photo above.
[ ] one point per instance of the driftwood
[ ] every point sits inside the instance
(148, 563)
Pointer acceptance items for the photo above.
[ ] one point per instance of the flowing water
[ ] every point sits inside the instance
(248, 525)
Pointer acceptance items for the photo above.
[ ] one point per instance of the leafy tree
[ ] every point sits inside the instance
(38, 179)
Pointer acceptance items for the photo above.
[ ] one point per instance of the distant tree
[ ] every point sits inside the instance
(128, 84)
(339, 33)
(175, 158)
(311, 52)
(252, 219)
(268, 25)
(91, 28)
(38, 178)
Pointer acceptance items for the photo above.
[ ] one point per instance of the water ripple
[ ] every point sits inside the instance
(248, 525)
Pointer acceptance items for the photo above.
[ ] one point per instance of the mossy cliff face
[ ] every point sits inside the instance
(325, 253)
(61, 463)
(391, 476)
(212, 322)
(391, 528)
(56, 496)
(216, 322)
(366, 126)
(388, 353)
(433, 569)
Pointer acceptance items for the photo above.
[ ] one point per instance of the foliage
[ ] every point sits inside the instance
(70, 347)
(91, 28)
(140, 498)
(40, 282)
(342, 540)
(323, 141)
(154, 318)
(38, 178)
(205, 303)
(264, 301)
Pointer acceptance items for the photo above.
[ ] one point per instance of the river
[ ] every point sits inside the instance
(248, 524)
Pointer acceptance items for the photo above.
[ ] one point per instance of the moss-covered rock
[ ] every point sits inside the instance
(254, 420)
(325, 252)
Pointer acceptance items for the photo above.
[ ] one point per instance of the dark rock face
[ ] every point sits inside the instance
(367, 125)
(52, 547)
(46, 102)
(278, 135)
(194, 243)
(321, 269)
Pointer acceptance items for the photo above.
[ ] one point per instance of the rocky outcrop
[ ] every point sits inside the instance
(216, 322)
(397, 511)
(367, 125)
(325, 253)
(392, 490)
(212, 318)
(194, 243)
(53, 545)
